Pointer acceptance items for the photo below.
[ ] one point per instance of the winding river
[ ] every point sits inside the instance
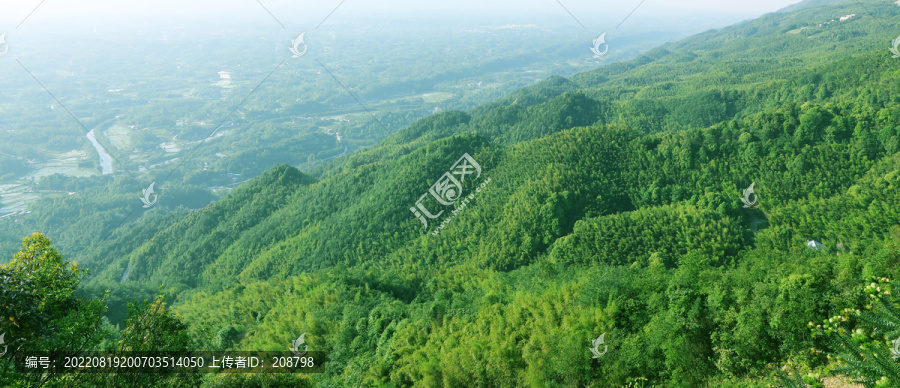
(105, 157)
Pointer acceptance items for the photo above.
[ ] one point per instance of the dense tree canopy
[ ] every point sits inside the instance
(608, 204)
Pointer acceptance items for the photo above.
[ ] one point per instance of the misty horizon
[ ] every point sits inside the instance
(592, 15)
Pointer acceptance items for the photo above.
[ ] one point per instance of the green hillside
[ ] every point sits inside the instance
(605, 203)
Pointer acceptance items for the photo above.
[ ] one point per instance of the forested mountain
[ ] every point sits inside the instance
(605, 203)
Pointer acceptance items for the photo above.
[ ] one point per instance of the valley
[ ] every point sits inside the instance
(425, 216)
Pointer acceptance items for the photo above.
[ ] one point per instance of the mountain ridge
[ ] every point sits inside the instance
(613, 207)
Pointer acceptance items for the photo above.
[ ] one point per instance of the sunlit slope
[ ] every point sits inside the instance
(613, 206)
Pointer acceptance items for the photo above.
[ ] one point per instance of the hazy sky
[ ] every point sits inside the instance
(12, 12)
